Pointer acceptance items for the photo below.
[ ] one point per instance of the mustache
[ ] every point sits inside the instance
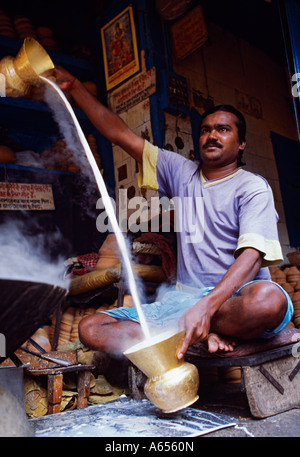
(212, 143)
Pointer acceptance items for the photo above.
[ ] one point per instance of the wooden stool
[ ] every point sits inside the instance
(55, 383)
(270, 370)
(54, 372)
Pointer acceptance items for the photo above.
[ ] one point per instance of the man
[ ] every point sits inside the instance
(224, 292)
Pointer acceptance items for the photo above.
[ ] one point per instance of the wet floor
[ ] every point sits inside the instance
(228, 399)
(221, 411)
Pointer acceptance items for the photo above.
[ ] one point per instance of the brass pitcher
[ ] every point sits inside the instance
(172, 384)
(23, 71)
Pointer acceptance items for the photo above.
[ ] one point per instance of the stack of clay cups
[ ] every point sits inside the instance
(289, 279)
(6, 26)
(296, 303)
(66, 325)
(79, 315)
(68, 330)
(24, 27)
(293, 276)
(77, 318)
(278, 276)
(288, 288)
(46, 38)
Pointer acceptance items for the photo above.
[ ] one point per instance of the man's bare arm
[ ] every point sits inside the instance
(109, 124)
(197, 320)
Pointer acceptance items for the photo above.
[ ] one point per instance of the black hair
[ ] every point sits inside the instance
(240, 123)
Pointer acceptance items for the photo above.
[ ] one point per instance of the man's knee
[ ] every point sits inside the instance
(88, 329)
(267, 300)
(84, 328)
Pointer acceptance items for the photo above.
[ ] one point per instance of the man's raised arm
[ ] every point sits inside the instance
(109, 124)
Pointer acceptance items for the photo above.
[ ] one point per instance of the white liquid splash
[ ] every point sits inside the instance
(109, 209)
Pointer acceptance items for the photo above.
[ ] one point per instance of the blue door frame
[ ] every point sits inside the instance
(290, 20)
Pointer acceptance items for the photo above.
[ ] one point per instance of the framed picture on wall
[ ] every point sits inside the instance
(189, 33)
(120, 50)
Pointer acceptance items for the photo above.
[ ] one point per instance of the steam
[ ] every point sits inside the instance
(28, 257)
(73, 148)
(109, 208)
(26, 250)
(67, 129)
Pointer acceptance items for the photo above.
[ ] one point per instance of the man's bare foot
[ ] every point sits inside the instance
(219, 343)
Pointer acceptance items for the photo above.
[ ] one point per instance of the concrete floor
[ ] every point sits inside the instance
(225, 401)
(228, 399)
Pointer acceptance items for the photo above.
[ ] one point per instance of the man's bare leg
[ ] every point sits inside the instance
(258, 306)
(101, 332)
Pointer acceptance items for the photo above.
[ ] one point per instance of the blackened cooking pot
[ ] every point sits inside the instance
(24, 307)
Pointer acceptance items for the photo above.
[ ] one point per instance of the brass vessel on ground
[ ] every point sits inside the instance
(172, 384)
(23, 71)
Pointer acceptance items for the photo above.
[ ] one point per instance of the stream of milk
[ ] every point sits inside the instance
(109, 210)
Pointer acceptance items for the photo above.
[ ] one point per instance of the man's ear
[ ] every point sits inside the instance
(242, 146)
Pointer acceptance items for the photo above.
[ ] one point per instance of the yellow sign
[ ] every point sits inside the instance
(189, 33)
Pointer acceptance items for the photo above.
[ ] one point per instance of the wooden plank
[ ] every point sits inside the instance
(269, 388)
(56, 370)
(83, 388)
(37, 363)
(54, 393)
(240, 361)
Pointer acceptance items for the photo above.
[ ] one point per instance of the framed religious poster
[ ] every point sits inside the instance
(120, 50)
